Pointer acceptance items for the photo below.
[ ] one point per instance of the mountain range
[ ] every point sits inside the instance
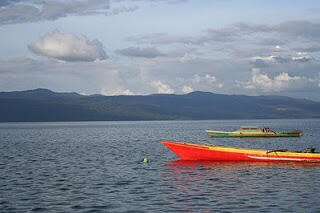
(46, 105)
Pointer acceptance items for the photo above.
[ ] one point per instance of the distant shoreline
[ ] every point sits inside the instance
(42, 105)
(3, 122)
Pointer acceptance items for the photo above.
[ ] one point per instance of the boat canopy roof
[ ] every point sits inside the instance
(249, 128)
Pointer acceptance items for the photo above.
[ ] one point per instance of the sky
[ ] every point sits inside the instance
(141, 47)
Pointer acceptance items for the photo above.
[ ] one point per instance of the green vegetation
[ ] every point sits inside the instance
(45, 105)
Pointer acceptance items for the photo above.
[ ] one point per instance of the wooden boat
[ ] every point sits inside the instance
(253, 131)
(189, 151)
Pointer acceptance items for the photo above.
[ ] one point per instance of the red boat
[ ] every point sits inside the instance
(188, 151)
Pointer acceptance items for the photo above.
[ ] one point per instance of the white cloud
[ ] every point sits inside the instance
(260, 80)
(271, 59)
(264, 61)
(204, 82)
(187, 89)
(161, 87)
(220, 85)
(281, 82)
(210, 78)
(301, 57)
(119, 77)
(265, 58)
(68, 47)
(112, 92)
(207, 78)
(196, 79)
(187, 57)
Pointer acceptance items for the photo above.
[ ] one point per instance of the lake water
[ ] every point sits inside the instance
(97, 167)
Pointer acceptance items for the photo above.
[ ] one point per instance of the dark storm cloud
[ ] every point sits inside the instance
(223, 35)
(156, 38)
(265, 62)
(306, 29)
(153, 1)
(56, 9)
(148, 52)
(34, 10)
(254, 51)
(19, 14)
(262, 62)
(8, 2)
(123, 9)
(271, 41)
(298, 28)
(210, 35)
(308, 48)
(281, 59)
(21, 11)
(302, 58)
(262, 33)
(251, 28)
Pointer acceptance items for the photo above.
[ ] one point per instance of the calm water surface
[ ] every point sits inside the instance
(96, 167)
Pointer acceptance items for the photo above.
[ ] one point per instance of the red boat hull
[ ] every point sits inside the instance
(188, 151)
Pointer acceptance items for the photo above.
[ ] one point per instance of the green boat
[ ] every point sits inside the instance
(253, 131)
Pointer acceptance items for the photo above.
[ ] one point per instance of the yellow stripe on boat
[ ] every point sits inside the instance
(261, 152)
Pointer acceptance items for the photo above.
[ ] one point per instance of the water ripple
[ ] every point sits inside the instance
(97, 167)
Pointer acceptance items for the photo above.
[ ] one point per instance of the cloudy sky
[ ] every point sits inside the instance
(138, 47)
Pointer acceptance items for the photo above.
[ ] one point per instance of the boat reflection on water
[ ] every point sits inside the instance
(221, 164)
(206, 186)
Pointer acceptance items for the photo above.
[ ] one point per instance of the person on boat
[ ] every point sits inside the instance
(270, 130)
